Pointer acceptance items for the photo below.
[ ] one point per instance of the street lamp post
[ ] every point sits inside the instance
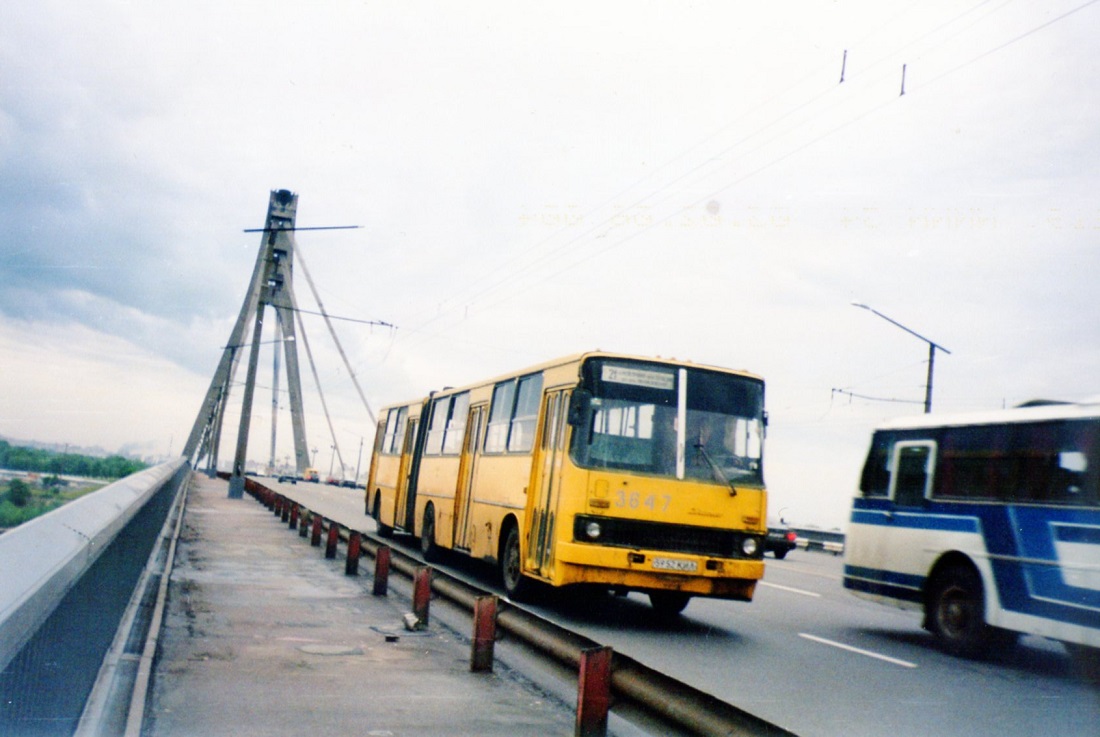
(931, 352)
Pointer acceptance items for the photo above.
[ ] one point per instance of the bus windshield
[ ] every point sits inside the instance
(670, 421)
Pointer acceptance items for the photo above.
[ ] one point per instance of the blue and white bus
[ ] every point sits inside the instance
(988, 522)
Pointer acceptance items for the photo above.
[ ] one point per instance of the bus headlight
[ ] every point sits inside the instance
(749, 546)
(592, 530)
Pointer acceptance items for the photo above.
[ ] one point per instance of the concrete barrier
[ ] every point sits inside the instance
(42, 559)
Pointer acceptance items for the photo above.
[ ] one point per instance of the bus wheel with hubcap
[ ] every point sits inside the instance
(668, 603)
(428, 547)
(383, 530)
(516, 585)
(956, 612)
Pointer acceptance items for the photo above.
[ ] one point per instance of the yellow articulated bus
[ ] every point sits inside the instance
(623, 472)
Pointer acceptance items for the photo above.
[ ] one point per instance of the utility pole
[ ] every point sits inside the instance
(931, 351)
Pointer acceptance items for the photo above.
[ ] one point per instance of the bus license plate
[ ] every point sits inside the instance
(675, 564)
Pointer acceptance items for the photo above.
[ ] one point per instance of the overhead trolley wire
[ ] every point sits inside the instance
(575, 242)
(1010, 42)
(657, 170)
(467, 296)
(335, 339)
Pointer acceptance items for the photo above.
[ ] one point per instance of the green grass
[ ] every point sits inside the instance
(41, 500)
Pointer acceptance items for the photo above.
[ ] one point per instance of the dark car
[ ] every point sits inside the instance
(780, 541)
(286, 479)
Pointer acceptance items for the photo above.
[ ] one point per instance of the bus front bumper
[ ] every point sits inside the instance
(650, 570)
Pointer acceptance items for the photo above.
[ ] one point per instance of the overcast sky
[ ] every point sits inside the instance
(538, 179)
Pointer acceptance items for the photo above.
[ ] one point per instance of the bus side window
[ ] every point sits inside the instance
(912, 473)
(875, 480)
(1053, 462)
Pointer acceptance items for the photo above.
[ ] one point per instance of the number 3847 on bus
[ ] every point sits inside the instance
(634, 500)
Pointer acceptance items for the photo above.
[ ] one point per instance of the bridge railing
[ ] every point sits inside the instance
(42, 559)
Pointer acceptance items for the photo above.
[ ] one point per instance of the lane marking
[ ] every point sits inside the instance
(849, 648)
(795, 568)
(790, 589)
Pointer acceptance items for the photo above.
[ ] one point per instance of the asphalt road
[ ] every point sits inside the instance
(810, 657)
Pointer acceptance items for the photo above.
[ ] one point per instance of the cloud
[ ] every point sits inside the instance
(538, 180)
(75, 385)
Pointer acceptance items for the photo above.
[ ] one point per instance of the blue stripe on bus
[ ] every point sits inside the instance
(1020, 541)
(941, 522)
(891, 584)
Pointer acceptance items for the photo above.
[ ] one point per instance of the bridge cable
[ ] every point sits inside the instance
(332, 331)
(317, 381)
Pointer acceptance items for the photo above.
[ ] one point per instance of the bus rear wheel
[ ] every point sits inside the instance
(668, 603)
(516, 585)
(956, 612)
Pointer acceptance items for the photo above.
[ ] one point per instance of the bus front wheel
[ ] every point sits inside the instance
(668, 603)
(956, 614)
(516, 585)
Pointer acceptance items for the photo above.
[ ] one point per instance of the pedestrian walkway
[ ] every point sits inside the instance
(265, 637)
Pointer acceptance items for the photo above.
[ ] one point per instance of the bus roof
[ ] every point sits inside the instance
(576, 357)
(1036, 411)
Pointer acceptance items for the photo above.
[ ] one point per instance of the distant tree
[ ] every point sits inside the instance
(116, 467)
(19, 493)
(18, 458)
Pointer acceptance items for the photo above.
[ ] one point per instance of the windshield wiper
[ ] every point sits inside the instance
(715, 468)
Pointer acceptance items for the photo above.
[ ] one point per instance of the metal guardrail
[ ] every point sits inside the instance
(815, 539)
(43, 559)
(632, 683)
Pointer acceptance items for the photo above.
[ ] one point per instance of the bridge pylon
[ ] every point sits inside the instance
(271, 286)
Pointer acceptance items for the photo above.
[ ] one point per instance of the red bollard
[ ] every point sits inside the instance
(422, 594)
(351, 567)
(593, 692)
(315, 538)
(333, 540)
(381, 570)
(294, 516)
(286, 509)
(485, 634)
(277, 507)
(302, 528)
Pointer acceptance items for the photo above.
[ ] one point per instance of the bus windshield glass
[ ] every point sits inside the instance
(671, 421)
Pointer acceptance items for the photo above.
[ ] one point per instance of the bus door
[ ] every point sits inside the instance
(467, 466)
(898, 547)
(404, 510)
(543, 500)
